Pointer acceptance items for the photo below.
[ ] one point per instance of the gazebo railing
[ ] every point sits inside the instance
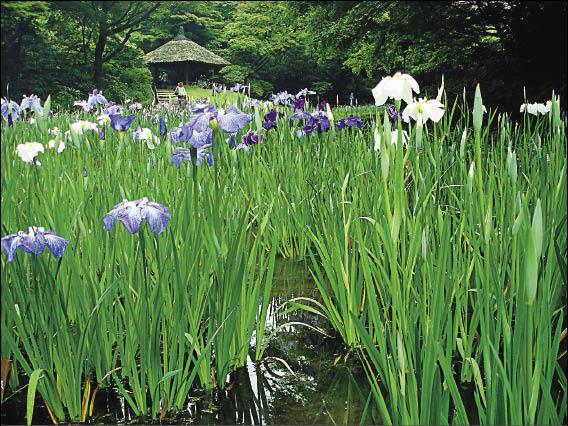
(165, 95)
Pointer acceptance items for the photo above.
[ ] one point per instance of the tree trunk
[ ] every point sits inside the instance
(100, 46)
(99, 50)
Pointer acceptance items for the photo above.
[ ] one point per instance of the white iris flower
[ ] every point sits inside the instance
(399, 86)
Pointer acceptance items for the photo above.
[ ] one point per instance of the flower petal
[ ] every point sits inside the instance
(413, 84)
(379, 93)
(32, 244)
(131, 218)
(109, 220)
(157, 217)
(434, 110)
(55, 244)
(202, 140)
(10, 244)
(232, 121)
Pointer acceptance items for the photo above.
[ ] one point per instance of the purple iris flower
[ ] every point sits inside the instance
(302, 116)
(132, 213)
(164, 106)
(251, 103)
(180, 154)
(310, 123)
(113, 109)
(391, 111)
(305, 92)
(136, 106)
(322, 124)
(102, 133)
(201, 140)
(319, 124)
(233, 119)
(201, 105)
(299, 104)
(10, 110)
(238, 87)
(270, 120)
(271, 116)
(187, 135)
(85, 174)
(283, 98)
(182, 134)
(200, 122)
(352, 121)
(322, 105)
(306, 130)
(121, 123)
(31, 102)
(163, 128)
(251, 138)
(217, 88)
(96, 99)
(269, 125)
(34, 242)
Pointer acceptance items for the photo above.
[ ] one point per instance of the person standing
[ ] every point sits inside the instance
(181, 93)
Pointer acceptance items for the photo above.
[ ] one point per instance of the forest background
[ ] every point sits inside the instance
(66, 49)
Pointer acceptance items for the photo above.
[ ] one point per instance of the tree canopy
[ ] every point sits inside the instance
(338, 47)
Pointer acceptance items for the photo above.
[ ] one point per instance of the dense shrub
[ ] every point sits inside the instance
(235, 74)
(260, 88)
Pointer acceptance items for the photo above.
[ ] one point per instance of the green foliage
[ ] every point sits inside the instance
(261, 88)
(66, 96)
(128, 77)
(135, 83)
(467, 42)
(264, 37)
(51, 46)
(235, 74)
(322, 87)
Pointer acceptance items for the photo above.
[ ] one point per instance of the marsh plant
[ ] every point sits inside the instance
(435, 232)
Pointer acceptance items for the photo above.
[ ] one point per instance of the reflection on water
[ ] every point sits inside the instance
(270, 394)
(298, 381)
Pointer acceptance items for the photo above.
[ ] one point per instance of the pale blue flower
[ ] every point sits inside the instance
(34, 242)
(132, 213)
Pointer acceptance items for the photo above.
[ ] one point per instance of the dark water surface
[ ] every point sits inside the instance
(305, 377)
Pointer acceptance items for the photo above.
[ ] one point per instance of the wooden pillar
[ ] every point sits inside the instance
(186, 69)
(154, 70)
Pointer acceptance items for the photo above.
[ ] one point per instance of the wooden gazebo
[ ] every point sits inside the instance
(179, 59)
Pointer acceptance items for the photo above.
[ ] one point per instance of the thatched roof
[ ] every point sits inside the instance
(181, 49)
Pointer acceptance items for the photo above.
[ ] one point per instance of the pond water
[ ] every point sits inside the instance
(305, 377)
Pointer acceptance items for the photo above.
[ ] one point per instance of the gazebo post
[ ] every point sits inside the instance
(186, 70)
